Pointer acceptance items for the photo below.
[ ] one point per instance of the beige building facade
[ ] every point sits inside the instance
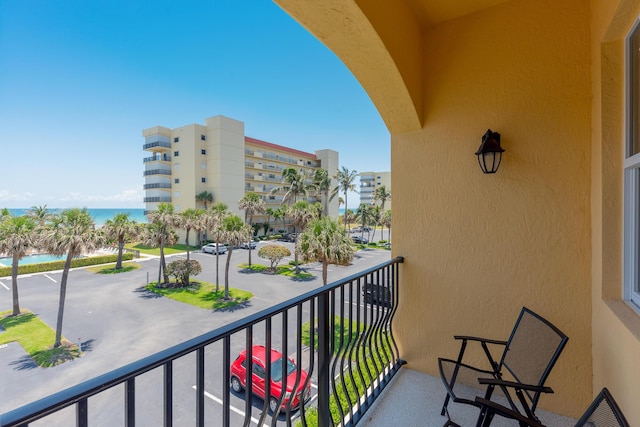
(369, 181)
(218, 158)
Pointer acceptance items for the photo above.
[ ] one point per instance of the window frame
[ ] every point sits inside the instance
(631, 176)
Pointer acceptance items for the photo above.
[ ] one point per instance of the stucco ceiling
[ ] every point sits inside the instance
(431, 12)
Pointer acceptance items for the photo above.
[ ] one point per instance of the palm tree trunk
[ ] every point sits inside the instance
(14, 283)
(217, 268)
(325, 267)
(295, 250)
(226, 273)
(250, 252)
(186, 240)
(63, 295)
(161, 261)
(120, 248)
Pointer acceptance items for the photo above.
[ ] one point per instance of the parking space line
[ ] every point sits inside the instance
(233, 408)
(50, 278)
(5, 286)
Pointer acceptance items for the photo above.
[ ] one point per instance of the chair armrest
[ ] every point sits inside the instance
(485, 340)
(515, 385)
(498, 409)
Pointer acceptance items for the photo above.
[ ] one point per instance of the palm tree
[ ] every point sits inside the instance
(301, 213)
(294, 183)
(17, 235)
(156, 235)
(204, 197)
(251, 203)
(375, 216)
(348, 217)
(269, 212)
(71, 232)
(322, 186)
(345, 179)
(40, 213)
(364, 215)
(190, 219)
(235, 232)
(280, 213)
(381, 195)
(325, 241)
(214, 218)
(121, 229)
(386, 222)
(166, 218)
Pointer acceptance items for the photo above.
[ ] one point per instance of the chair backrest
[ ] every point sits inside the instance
(532, 350)
(603, 412)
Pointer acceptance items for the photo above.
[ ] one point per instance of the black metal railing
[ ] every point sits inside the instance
(157, 185)
(157, 199)
(164, 144)
(339, 335)
(157, 172)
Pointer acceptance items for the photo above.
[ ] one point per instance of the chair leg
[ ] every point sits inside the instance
(444, 406)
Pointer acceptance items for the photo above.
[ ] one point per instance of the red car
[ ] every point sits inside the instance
(238, 378)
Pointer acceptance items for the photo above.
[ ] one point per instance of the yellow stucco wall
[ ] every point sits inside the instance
(545, 231)
(616, 327)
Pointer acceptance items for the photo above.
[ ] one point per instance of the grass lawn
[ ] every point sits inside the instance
(203, 295)
(285, 270)
(175, 249)
(36, 337)
(111, 268)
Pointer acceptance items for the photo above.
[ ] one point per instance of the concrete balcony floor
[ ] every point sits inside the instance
(415, 399)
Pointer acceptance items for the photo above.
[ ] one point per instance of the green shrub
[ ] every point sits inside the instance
(59, 265)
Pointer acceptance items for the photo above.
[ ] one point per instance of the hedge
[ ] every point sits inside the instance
(59, 265)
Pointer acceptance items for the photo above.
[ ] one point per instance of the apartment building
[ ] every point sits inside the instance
(217, 157)
(369, 181)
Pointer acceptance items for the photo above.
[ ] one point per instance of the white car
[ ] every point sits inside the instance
(245, 245)
(211, 248)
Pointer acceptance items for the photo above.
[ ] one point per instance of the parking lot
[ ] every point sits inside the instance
(118, 322)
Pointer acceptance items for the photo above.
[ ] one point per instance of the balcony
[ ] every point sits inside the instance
(156, 185)
(160, 158)
(157, 199)
(156, 144)
(157, 172)
(350, 347)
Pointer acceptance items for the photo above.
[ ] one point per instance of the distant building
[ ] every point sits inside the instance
(220, 159)
(369, 181)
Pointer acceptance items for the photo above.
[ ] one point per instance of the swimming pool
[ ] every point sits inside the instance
(31, 259)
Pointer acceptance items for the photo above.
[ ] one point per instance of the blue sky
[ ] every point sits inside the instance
(79, 80)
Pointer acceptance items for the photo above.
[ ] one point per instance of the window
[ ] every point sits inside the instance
(632, 169)
(203, 137)
(203, 179)
(176, 139)
(176, 181)
(203, 151)
(176, 194)
(176, 153)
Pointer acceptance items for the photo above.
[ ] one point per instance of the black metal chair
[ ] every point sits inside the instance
(526, 360)
(603, 412)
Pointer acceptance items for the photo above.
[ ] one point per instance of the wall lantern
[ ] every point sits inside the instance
(490, 153)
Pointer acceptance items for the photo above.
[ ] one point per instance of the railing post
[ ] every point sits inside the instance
(323, 360)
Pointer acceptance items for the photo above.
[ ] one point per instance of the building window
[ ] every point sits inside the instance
(203, 179)
(203, 137)
(176, 139)
(176, 181)
(203, 151)
(176, 153)
(632, 170)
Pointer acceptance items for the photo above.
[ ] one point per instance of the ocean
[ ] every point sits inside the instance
(100, 216)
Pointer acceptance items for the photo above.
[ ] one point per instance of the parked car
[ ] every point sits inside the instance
(258, 378)
(291, 237)
(212, 248)
(377, 294)
(361, 240)
(245, 245)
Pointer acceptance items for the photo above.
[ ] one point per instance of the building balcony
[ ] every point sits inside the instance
(157, 172)
(156, 185)
(158, 158)
(157, 199)
(157, 146)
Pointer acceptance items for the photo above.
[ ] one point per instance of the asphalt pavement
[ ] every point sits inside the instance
(118, 322)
